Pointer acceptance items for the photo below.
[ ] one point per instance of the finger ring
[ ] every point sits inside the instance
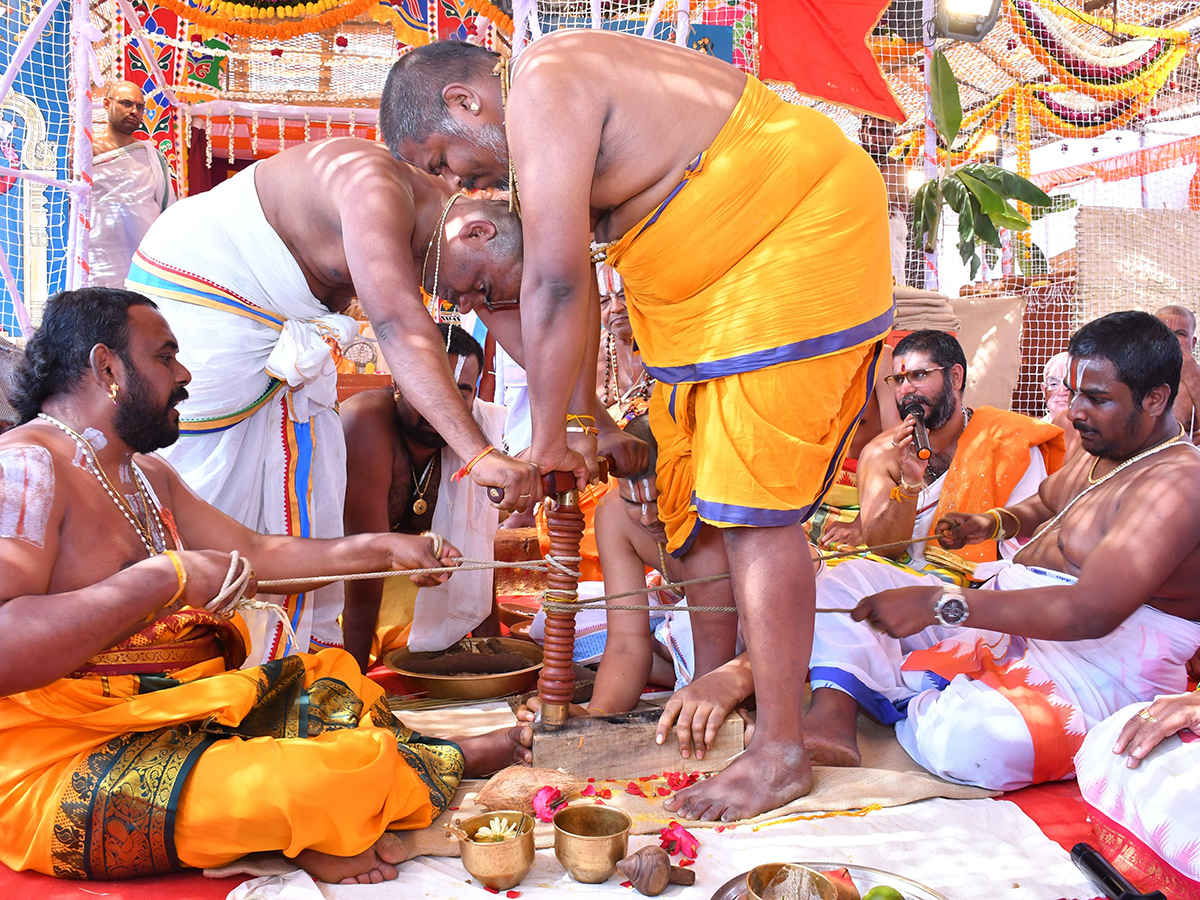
(526, 495)
(1148, 716)
(438, 541)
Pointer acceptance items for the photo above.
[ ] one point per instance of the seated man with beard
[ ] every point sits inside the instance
(130, 741)
(980, 458)
(399, 477)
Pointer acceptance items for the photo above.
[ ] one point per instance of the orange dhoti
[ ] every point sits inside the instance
(759, 293)
(112, 775)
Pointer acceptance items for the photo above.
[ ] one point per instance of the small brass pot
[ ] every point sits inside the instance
(760, 877)
(590, 840)
(499, 865)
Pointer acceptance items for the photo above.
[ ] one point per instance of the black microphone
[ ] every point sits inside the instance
(920, 435)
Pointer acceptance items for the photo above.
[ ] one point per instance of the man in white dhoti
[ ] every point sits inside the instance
(400, 478)
(253, 275)
(1097, 611)
(131, 186)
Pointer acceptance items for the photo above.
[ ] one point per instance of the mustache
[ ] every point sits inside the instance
(178, 396)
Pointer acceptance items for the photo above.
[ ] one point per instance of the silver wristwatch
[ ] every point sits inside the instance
(951, 608)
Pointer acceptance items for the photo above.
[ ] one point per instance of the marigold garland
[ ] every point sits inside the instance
(493, 14)
(230, 17)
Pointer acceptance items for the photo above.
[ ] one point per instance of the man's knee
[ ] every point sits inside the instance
(969, 734)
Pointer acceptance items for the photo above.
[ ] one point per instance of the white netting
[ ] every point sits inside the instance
(35, 141)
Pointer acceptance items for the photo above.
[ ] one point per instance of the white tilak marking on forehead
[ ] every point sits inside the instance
(95, 437)
(26, 493)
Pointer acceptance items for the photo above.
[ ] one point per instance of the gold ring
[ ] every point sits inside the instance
(438, 542)
(1148, 716)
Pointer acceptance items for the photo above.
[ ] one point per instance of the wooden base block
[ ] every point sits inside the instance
(619, 747)
(518, 545)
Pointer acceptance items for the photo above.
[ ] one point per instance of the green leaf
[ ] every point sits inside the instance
(974, 267)
(983, 225)
(947, 107)
(1061, 202)
(955, 193)
(1009, 218)
(966, 225)
(918, 207)
(933, 213)
(966, 249)
(1018, 188)
(989, 200)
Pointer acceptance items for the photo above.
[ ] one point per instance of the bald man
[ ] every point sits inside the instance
(131, 186)
(1182, 322)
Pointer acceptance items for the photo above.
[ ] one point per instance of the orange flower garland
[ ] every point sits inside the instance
(491, 12)
(309, 17)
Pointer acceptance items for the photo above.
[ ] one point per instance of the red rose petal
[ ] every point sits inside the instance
(626, 884)
(634, 789)
(591, 781)
(606, 793)
(598, 802)
(663, 792)
(511, 895)
(491, 890)
(646, 778)
(589, 791)
(687, 862)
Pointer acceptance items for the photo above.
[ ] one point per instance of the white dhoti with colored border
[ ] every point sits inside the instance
(984, 708)
(260, 438)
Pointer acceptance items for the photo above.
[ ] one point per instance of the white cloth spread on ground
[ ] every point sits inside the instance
(1157, 801)
(259, 439)
(985, 708)
(935, 842)
(463, 515)
(130, 189)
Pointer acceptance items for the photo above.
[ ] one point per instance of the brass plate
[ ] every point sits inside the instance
(469, 687)
(865, 878)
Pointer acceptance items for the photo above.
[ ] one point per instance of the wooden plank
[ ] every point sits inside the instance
(618, 747)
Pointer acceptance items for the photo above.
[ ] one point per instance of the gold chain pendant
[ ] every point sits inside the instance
(419, 506)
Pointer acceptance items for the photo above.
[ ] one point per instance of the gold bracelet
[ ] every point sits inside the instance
(998, 534)
(1017, 519)
(180, 574)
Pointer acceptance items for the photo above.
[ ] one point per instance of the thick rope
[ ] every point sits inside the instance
(232, 596)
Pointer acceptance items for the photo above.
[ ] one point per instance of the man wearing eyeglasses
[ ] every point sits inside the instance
(978, 459)
(131, 186)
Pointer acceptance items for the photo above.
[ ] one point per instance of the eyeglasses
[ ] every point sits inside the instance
(916, 376)
(129, 104)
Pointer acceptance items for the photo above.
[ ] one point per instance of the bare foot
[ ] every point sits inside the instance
(765, 777)
(374, 865)
(496, 750)
(831, 729)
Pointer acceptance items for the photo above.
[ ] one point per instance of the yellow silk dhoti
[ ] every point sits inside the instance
(109, 775)
(758, 292)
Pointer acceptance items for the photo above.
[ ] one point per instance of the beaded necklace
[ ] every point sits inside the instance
(145, 530)
(432, 302)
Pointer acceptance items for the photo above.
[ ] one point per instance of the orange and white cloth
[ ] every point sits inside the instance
(984, 708)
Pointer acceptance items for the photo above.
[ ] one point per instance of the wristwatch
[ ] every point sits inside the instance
(951, 608)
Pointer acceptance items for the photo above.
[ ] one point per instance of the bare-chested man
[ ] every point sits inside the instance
(752, 239)
(252, 276)
(130, 743)
(131, 186)
(998, 686)
(1182, 322)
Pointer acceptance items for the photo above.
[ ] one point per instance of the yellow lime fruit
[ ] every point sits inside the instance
(883, 892)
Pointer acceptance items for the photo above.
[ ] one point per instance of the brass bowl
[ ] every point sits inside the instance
(511, 613)
(760, 877)
(468, 687)
(498, 865)
(590, 840)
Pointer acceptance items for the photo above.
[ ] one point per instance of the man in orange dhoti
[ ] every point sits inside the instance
(752, 238)
(130, 742)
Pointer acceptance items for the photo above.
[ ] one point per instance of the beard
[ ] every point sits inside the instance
(142, 427)
(940, 409)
